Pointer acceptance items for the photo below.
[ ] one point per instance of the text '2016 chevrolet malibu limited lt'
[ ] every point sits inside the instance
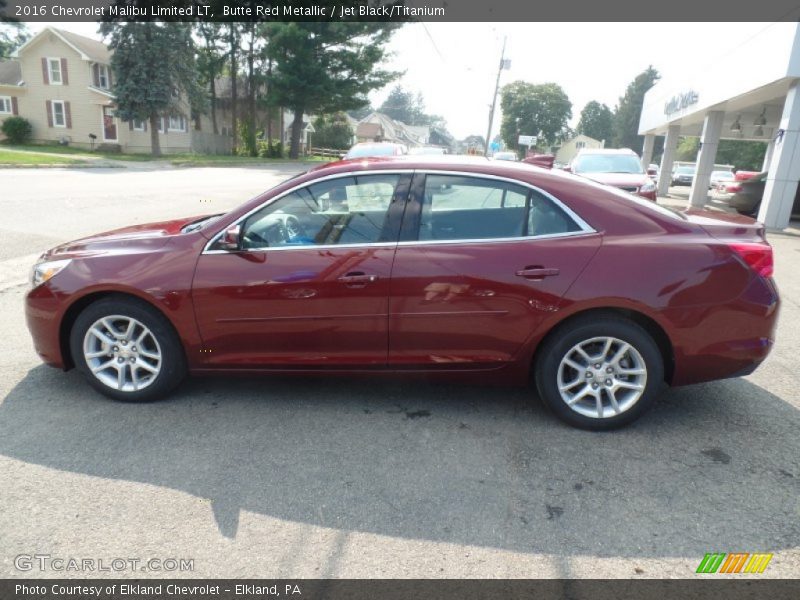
(457, 267)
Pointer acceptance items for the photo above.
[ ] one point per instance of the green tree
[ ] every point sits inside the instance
(597, 121)
(12, 36)
(326, 67)
(361, 113)
(154, 64)
(211, 58)
(629, 110)
(402, 105)
(333, 131)
(742, 154)
(534, 109)
(687, 149)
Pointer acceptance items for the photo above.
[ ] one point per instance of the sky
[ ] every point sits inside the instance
(454, 65)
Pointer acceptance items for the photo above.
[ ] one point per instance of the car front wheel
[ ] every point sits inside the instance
(127, 350)
(599, 373)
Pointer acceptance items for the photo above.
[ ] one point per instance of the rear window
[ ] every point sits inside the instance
(607, 163)
(376, 150)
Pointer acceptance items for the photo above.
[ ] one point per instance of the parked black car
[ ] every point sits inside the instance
(747, 201)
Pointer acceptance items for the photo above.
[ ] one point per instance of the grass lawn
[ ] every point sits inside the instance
(182, 160)
(78, 152)
(224, 160)
(9, 157)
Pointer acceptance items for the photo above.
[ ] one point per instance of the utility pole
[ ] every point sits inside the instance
(503, 65)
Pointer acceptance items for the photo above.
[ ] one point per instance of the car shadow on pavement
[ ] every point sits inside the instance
(712, 467)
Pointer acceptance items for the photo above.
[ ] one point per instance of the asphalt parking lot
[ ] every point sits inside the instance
(298, 477)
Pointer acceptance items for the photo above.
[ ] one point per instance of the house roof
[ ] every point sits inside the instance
(89, 49)
(10, 72)
(96, 50)
(368, 130)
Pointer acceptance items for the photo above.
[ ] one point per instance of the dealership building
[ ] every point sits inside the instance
(752, 93)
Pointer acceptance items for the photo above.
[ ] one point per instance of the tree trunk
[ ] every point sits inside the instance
(155, 145)
(251, 98)
(234, 42)
(214, 106)
(269, 105)
(297, 130)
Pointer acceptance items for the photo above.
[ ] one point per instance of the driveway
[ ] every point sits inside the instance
(383, 477)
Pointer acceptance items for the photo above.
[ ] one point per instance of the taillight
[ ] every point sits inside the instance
(733, 188)
(757, 256)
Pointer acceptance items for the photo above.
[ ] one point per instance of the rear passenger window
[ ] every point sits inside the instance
(465, 208)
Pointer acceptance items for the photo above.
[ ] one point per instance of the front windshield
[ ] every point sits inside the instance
(608, 163)
(685, 170)
(377, 150)
(722, 175)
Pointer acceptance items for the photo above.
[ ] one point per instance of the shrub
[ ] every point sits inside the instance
(17, 130)
(271, 149)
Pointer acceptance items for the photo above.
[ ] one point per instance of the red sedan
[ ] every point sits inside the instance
(459, 267)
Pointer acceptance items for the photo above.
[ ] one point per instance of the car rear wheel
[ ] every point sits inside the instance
(599, 373)
(127, 350)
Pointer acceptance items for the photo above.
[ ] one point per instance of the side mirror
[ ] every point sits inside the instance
(231, 239)
(568, 169)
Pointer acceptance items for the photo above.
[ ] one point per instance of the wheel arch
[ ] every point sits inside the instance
(79, 305)
(650, 325)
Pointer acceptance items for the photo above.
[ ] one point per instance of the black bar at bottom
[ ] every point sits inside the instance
(702, 587)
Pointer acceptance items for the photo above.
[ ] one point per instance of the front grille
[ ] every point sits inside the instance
(628, 188)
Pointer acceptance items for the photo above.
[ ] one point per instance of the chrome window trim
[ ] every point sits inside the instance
(585, 228)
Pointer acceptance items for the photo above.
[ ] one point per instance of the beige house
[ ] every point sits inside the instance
(570, 148)
(64, 90)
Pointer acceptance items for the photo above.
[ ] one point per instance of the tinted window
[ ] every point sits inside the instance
(463, 208)
(350, 210)
(607, 163)
(372, 150)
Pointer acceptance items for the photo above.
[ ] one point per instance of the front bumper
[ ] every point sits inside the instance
(43, 315)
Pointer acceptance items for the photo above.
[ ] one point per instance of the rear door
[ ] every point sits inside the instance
(480, 263)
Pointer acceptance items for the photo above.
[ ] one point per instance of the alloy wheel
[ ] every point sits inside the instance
(122, 353)
(601, 377)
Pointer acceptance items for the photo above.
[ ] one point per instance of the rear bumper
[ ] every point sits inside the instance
(726, 341)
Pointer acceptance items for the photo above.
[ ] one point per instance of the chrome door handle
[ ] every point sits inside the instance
(536, 273)
(357, 278)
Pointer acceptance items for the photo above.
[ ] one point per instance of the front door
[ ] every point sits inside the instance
(309, 286)
(109, 125)
(483, 261)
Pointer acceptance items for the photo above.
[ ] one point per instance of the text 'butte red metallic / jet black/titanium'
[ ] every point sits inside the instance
(457, 267)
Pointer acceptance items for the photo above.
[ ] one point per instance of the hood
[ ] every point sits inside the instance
(618, 179)
(148, 236)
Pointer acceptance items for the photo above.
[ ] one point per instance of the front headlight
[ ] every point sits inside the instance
(648, 187)
(47, 270)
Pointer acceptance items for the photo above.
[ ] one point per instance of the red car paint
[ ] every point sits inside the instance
(452, 308)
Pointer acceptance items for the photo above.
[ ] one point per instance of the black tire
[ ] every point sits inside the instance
(558, 346)
(172, 363)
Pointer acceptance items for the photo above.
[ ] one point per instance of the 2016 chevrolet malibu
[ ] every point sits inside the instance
(460, 267)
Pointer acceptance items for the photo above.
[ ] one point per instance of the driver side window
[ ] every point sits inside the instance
(348, 210)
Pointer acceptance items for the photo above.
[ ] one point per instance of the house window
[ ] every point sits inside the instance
(102, 76)
(177, 123)
(54, 71)
(579, 145)
(138, 125)
(5, 105)
(59, 118)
